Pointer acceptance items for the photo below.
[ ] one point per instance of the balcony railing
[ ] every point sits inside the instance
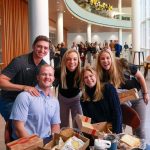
(87, 16)
(105, 13)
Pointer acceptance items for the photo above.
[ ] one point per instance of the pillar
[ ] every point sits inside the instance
(120, 30)
(38, 20)
(60, 31)
(136, 27)
(120, 37)
(89, 33)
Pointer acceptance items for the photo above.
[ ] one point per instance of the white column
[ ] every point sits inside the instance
(147, 28)
(147, 36)
(60, 31)
(120, 7)
(136, 27)
(38, 20)
(89, 33)
(120, 37)
(120, 30)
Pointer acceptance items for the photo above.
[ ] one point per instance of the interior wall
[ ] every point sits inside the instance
(99, 37)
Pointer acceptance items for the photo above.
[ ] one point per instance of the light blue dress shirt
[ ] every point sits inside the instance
(37, 113)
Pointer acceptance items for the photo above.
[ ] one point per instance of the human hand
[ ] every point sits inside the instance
(32, 90)
(146, 98)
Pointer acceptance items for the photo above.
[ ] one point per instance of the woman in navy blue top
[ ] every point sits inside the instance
(100, 102)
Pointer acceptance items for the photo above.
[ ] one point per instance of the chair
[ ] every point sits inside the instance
(130, 117)
(138, 53)
(146, 66)
(8, 132)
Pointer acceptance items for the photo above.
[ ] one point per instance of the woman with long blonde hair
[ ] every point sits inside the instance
(69, 82)
(100, 102)
(107, 69)
(133, 78)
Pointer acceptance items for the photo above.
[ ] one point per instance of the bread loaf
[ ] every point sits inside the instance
(131, 140)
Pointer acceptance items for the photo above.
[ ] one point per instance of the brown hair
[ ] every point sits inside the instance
(99, 87)
(40, 38)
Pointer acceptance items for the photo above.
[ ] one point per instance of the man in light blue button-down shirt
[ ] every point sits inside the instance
(37, 115)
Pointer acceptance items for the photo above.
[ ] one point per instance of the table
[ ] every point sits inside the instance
(139, 57)
(147, 62)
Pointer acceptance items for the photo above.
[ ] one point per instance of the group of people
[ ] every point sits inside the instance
(27, 103)
(86, 50)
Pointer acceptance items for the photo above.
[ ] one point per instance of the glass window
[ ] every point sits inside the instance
(145, 25)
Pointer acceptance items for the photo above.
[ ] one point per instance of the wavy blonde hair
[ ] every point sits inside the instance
(64, 69)
(99, 87)
(113, 73)
(122, 66)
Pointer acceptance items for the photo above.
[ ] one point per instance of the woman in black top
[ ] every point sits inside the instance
(101, 103)
(133, 78)
(68, 77)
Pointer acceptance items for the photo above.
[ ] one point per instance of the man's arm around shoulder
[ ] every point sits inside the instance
(7, 85)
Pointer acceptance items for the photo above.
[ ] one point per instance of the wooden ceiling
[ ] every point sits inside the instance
(74, 25)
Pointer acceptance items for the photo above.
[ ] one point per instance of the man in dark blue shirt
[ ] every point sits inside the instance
(118, 49)
(20, 75)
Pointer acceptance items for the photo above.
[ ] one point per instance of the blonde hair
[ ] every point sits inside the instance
(64, 69)
(123, 66)
(99, 87)
(113, 74)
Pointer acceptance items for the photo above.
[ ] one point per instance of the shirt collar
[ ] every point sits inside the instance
(40, 90)
(31, 61)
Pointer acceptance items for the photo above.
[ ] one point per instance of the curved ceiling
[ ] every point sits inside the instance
(75, 25)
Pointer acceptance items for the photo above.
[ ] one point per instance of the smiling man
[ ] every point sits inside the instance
(37, 114)
(20, 75)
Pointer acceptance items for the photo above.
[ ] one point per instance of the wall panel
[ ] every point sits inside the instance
(14, 29)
